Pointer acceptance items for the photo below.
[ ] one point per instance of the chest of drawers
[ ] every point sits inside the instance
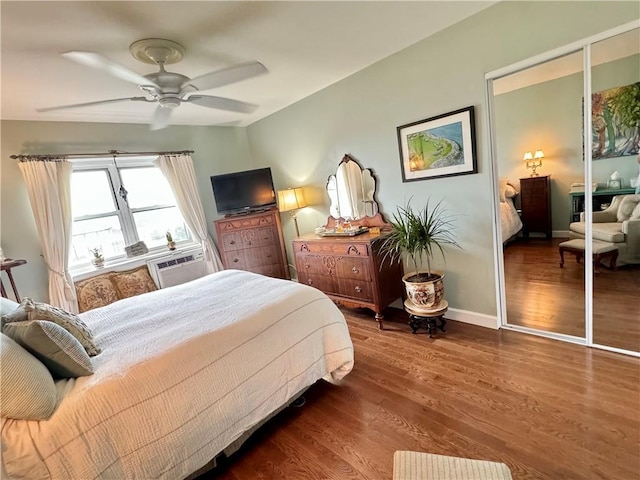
(253, 242)
(349, 270)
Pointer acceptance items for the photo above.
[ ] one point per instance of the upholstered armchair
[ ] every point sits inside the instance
(619, 224)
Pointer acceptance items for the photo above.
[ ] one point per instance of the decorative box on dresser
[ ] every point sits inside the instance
(349, 270)
(253, 242)
(535, 202)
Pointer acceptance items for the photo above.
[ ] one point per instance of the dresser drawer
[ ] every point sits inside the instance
(273, 270)
(234, 260)
(335, 248)
(321, 282)
(316, 264)
(362, 290)
(241, 223)
(261, 256)
(353, 268)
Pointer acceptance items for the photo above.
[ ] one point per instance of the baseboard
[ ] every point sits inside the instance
(465, 316)
(473, 318)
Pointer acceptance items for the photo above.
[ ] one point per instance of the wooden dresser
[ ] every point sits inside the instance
(253, 242)
(535, 202)
(349, 271)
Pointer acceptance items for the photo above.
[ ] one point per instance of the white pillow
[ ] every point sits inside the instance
(28, 390)
(7, 306)
(510, 191)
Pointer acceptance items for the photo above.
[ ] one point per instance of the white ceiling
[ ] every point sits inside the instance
(305, 45)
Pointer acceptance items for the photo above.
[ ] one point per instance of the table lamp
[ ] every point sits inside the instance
(291, 200)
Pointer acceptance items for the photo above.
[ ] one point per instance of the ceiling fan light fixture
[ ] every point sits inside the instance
(169, 102)
(157, 51)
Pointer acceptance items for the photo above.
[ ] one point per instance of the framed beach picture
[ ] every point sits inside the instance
(439, 146)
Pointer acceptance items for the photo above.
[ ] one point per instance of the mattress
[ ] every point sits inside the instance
(184, 372)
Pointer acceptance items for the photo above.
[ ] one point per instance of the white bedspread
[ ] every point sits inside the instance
(184, 372)
(509, 219)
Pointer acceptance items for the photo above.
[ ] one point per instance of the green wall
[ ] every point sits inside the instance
(217, 150)
(359, 115)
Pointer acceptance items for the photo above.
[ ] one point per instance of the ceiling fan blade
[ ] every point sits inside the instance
(99, 102)
(95, 60)
(160, 118)
(227, 76)
(222, 103)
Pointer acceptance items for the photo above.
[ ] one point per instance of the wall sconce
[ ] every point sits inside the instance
(533, 160)
(291, 200)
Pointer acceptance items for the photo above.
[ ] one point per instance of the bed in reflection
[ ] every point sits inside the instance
(510, 221)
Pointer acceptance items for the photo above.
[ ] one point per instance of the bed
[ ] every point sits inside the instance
(184, 372)
(510, 221)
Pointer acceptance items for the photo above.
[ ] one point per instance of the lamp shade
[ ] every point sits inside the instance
(539, 154)
(291, 199)
(527, 156)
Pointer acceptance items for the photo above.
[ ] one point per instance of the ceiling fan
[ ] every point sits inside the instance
(167, 89)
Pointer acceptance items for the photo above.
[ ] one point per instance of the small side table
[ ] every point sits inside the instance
(429, 319)
(6, 266)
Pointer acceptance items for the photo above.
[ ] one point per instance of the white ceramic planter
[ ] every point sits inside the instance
(428, 294)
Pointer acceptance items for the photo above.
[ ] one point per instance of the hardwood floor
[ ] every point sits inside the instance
(544, 296)
(548, 409)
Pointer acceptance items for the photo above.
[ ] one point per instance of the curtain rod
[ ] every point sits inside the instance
(110, 153)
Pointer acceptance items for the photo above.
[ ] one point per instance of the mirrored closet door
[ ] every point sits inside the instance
(565, 159)
(538, 143)
(615, 86)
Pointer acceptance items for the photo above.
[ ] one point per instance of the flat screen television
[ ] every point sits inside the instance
(243, 192)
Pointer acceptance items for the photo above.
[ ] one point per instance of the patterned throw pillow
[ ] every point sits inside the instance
(95, 292)
(30, 310)
(28, 390)
(56, 348)
(133, 282)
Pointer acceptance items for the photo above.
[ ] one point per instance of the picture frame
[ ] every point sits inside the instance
(614, 184)
(440, 146)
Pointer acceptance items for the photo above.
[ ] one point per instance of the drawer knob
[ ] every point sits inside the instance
(358, 288)
(249, 242)
(306, 265)
(310, 282)
(232, 242)
(269, 255)
(235, 260)
(265, 238)
(355, 270)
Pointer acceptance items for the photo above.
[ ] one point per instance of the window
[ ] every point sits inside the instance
(114, 206)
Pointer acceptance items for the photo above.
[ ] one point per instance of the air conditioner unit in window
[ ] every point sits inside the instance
(177, 268)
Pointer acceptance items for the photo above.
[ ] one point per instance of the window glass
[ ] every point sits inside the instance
(153, 225)
(104, 233)
(91, 193)
(146, 187)
(103, 220)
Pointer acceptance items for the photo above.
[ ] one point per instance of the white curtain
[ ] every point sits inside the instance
(179, 172)
(49, 188)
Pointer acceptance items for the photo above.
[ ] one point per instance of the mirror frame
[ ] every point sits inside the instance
(376, 220)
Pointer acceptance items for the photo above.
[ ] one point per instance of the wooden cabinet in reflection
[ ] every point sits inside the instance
(349, 270)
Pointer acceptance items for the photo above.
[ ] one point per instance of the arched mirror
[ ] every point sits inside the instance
(351, 191)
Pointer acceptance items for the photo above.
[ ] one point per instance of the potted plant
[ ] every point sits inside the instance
(98, 258)
(170, 243)
(418, 234)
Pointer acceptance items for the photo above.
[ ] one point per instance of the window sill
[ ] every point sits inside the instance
(82, 272)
